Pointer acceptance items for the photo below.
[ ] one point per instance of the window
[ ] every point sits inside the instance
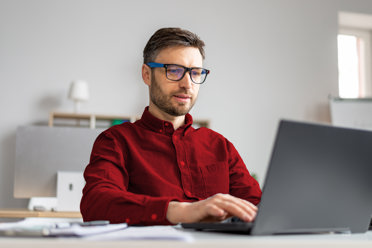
(354, 63)
(350, 66)
(354, 55)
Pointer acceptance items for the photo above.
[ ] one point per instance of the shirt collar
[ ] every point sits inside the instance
(161, 126)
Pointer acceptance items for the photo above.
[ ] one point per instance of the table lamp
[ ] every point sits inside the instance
(78, 92)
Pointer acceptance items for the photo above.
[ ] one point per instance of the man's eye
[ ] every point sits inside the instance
(196, 73)
(175, 71)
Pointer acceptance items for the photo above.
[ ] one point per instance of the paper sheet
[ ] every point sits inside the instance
(145, 233)
(107, 232)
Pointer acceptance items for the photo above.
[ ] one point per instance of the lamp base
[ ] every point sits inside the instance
(77, 106)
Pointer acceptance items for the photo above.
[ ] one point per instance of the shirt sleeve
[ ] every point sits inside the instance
(242, 184)
(106, 195)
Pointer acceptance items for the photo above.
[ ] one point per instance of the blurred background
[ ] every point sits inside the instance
(269, 60)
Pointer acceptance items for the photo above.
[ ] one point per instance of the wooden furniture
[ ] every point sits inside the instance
(98, 120)
(24, 213)
(90, 118)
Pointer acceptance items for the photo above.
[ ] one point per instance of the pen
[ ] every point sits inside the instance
(94, 223)
(60, 225)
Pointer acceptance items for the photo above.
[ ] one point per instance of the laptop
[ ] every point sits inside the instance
(318, 180)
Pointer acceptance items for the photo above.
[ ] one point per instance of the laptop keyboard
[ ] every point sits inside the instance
(233, 225)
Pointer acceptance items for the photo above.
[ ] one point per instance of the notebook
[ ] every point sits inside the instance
(319, 180)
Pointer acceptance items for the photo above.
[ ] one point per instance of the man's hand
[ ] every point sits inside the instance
(214, 208)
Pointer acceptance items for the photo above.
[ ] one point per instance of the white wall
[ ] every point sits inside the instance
(269, 60)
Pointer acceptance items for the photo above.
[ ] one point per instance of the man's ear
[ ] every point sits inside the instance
(146, 74)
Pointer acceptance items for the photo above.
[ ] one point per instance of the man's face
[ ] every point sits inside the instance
(175, 98)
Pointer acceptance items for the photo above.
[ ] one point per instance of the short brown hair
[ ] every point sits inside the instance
(169, 37)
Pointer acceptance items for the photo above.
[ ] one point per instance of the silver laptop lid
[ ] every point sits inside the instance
(319, 179)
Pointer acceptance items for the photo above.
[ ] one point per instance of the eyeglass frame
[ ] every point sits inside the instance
(186, 69)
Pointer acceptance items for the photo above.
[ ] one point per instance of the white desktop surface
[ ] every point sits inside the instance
(204, 240)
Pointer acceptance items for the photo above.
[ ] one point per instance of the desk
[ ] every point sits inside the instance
(205, 240)
(24, 213)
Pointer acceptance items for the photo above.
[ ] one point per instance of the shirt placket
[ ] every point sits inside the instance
(183, 164)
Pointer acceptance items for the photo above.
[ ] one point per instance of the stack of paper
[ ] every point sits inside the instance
(39, 227)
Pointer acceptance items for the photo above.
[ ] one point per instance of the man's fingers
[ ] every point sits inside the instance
(214, 210)
(250, 209)
(217, 212)
(234, 206)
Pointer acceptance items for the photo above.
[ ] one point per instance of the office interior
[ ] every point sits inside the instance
(269, 60)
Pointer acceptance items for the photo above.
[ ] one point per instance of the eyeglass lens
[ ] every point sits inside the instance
(175, 73)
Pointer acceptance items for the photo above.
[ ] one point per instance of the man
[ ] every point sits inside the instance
(160, 170)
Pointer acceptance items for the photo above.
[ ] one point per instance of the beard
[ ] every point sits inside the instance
(164, 102)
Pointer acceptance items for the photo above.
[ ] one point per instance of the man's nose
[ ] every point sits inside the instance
(186, 81)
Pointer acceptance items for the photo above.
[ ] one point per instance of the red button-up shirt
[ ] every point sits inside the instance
(136, 169)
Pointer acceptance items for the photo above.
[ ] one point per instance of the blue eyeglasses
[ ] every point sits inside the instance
(176, 72)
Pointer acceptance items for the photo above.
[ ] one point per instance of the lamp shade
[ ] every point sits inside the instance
(79, 91)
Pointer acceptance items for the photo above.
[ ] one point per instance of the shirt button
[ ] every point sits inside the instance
(160, 130)
(127, 220)
(154, 216)
(187, 193)
(166, 124)
(182, 163)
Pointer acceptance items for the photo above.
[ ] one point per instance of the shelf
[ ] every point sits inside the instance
(91, 119)
(99, 120)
